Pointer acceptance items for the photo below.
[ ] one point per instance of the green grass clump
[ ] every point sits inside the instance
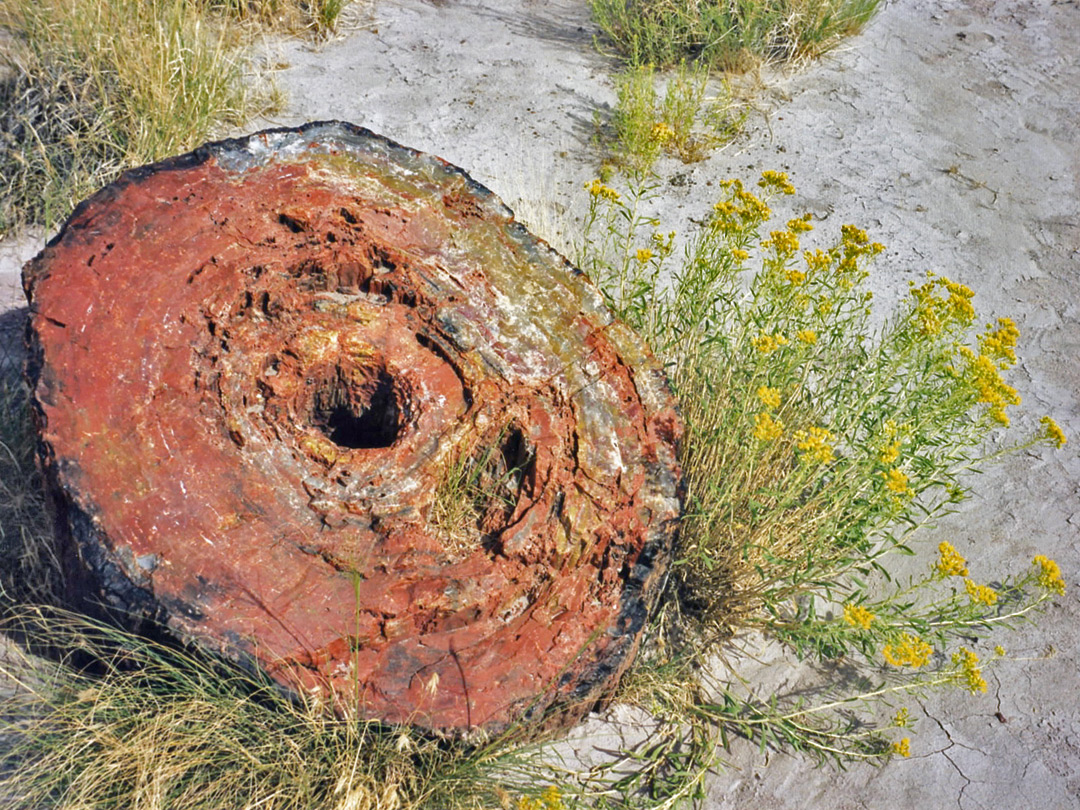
(727, 35)
(684, 123)
(97, 86)
(478, 491)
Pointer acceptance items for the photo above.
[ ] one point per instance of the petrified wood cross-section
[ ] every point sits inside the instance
(317, 402)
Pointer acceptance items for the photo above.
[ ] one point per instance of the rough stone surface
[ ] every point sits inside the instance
(255, 367)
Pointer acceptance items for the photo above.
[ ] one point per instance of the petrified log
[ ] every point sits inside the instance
(317, 402)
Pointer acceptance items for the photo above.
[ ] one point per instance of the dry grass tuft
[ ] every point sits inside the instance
(725, 35)
(96, 86)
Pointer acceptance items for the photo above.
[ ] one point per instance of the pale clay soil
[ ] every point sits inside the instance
(951, 131)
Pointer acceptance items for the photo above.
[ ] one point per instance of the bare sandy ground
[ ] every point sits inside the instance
(951, 131)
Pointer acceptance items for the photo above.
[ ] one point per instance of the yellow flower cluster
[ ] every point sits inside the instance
(896, 481)
(817, 261)
(902, 718)
(767, 429)
(662, 133)
(664, 242)
(815, 443)
(770, 397)
(643, 255)
(950, 563)
(935, 313)
(800, 224)
(550, 799)
(854, 244)
(597, 189)
(1052, 433)
(858, 616)
(1049, 574)
(785, 243)
(910, 651)
(981, 593)
(777, 181)
(795, 277)
(1000, 344)
(903, 748)
(984, 375)
(807, 336)
(969, 670)
(741, 210)
(767, 344)
(739, 254)
(891, 452)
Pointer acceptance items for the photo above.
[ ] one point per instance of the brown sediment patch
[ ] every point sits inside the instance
(253, 367)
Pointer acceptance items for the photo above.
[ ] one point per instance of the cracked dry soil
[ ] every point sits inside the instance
(951, 131)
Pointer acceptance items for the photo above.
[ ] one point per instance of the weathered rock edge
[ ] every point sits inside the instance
(252, 366)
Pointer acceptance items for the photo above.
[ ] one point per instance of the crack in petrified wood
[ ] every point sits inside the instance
(253, 363)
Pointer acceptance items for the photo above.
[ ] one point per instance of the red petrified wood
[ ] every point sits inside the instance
(265, 372)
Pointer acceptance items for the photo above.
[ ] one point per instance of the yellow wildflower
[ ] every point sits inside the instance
(740, 210)
(999, 651)
(981, 593)
(1000, 344)
(891, 452)
(950, 563)
(935, 313)
(969, 670)
(800, 224)
(910, 651)
(983, 375)
(853, 236)
(776, 180)
(767, 429)
(1054, 434)
(903, 748)
(796, 277)
(902, 718)
(959, 302)
(785, 243)
(807, 336)
(858, 616)
(550, 799)
(816, 261)
(770, 397)
(1049, 576)
(598, 189)
(816, 444)
(664, 242)
(662, 133)
(739, 254)
(896, 481)
(643, 255)
(767, 344)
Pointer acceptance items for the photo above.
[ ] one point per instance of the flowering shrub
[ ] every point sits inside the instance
(815, 443)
